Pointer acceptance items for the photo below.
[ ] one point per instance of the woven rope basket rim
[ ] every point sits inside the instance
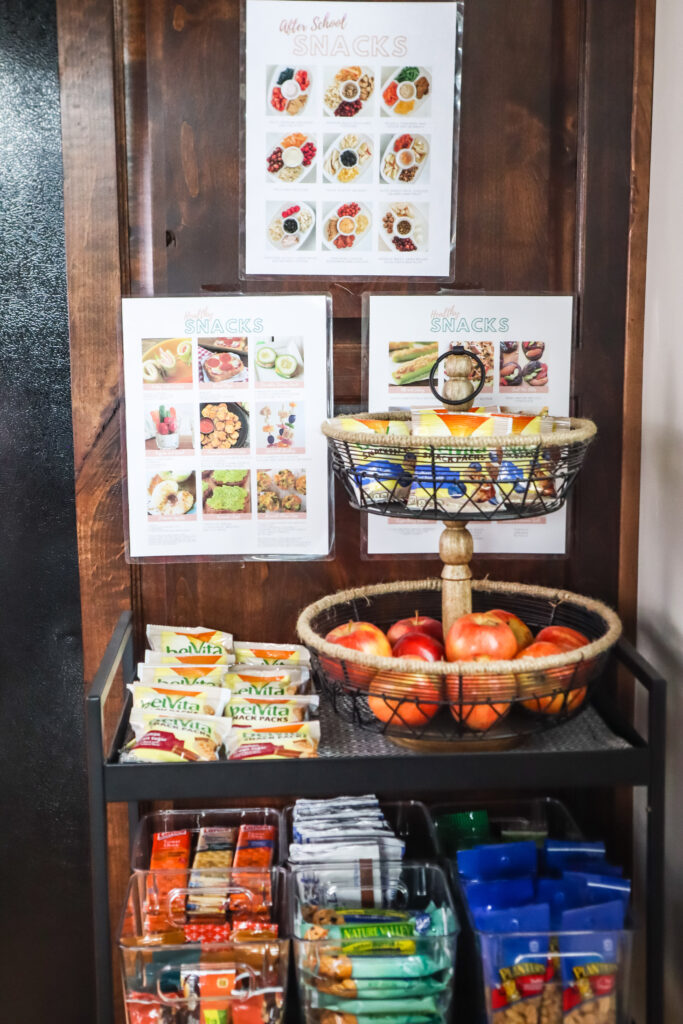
(581, 431)
(470, 668)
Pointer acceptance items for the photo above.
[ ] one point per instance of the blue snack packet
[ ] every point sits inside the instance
(600, 888)
(568, 854)
(590, 947)
(560, 894)
(499, 895)
(498, 861)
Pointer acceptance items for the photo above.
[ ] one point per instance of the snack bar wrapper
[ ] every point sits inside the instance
(215, 849)
(182, 675)
(202, 660)
(175, 738)
(189, 640)
(247, 653)
(276, 741)
(443, 423)
(264, 682)
(361, 425)
(364, 968)
(177, 699)
(170, 857)
(247, 711)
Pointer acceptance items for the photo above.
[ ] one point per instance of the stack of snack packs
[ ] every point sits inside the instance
(550, 934)
(196, 691)
(204, 928)
(455, 477)
(374, 938)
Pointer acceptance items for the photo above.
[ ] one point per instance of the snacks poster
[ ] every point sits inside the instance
(224, 400)
(524, 342)
(349, 142)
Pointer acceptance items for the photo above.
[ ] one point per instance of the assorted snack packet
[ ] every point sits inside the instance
(203, 660)
(263, 682)
(175, 738)
(182, 675)
(170, 857)
(178, 699)
(248, 653)
(361, 425)
(189, 640)
(300, 739)
(260, 712)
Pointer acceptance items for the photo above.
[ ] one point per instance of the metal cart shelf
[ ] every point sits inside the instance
(599, 748)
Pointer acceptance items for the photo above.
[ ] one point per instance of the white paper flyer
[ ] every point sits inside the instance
(224, 400)
(524, 342)
(349, 138)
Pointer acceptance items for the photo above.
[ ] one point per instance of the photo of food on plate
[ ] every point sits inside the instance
(290, 157)
(171, 494)
(166, 362)
(168, 428)
(223, 361)
(486, 351)
(347, 226)
(280, 427)
(281, 492)
(405, 159)
(403, 227)
(279, 362)
(226, 492)
(223, 426)
(347, 158)
(523, 366)
(290, 225)
(405, 90)
(348, 91)
(289, 89)
(410, 363)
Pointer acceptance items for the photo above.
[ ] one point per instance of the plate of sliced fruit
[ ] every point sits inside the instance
(348, 158)
(405, 90)
(404, 159)
(290, 225)
(292, 158)
(347, 226)
(289, 91)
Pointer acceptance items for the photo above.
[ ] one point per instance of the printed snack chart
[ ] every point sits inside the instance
(350, 133)
(348, 752)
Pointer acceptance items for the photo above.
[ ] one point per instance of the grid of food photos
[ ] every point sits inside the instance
(342, 171)
(224, 428)
(512, 368)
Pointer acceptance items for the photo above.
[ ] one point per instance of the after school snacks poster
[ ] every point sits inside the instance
(350, 139)
(224, 399)
(524, 343)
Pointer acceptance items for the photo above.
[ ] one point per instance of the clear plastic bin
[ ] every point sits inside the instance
(172, 821)
(345, 965)
(410, 821)
(513, 819)
(548, 983)
(172, 979)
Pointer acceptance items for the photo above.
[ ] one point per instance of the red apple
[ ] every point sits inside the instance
(357, 636)
(480, 635)
(523, 634)
(479, 717)
(418, 645)
(421, 623)
(392, 706)
(566, 638)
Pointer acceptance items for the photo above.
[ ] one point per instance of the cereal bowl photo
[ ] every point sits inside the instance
(348, 91)
(290, 225)
(347, 226)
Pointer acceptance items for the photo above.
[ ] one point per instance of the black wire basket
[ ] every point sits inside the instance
(442, 705)
(471, 478)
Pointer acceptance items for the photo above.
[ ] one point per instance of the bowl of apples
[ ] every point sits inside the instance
(525, 659)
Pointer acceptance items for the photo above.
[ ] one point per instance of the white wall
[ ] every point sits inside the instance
(660, 582)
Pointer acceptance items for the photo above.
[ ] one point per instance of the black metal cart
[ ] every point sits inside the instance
(598, 748)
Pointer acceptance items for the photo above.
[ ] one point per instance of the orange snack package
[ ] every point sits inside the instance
(170, 858)
(255, 849)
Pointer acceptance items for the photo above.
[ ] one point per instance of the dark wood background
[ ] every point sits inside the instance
(552, 197)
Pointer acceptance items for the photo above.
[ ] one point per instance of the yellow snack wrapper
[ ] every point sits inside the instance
(264, 682)
(442, 423)
(189, 640)
(182, 675)
(180, 700)
(175, 738)
(247, 653)
(159, 658)
(299, 740)
(257, 711)
(362, 425)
